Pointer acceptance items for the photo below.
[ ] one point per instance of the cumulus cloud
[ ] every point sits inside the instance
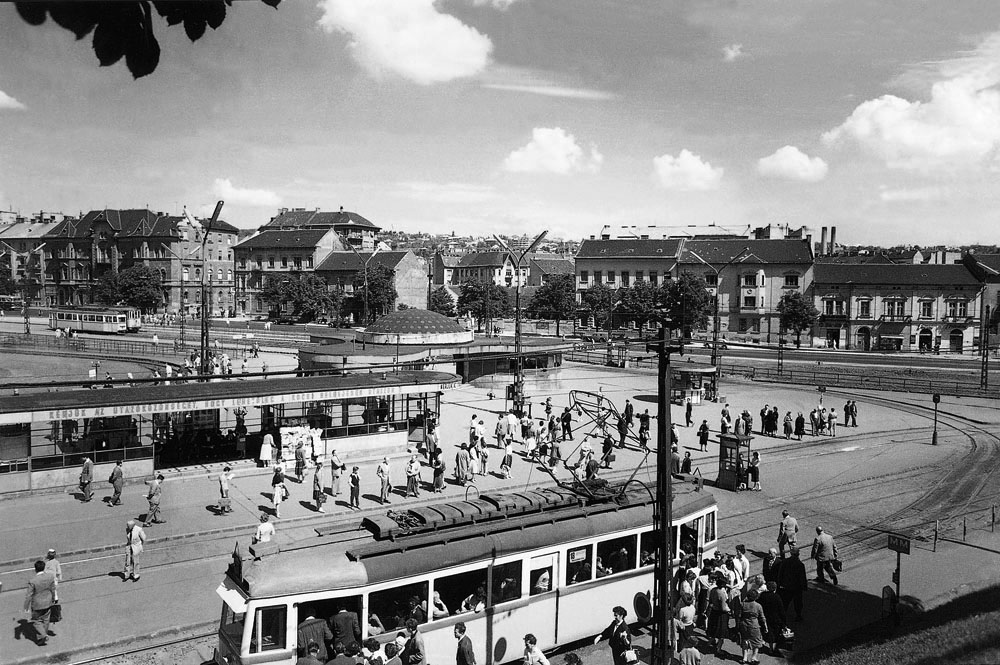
(411, 39)
(225, 190)
(8, 102)
(959, 125)
(791, 163)
(553, 150)
(452, 192)
(915, 194)
(686, 172)
(732, 52)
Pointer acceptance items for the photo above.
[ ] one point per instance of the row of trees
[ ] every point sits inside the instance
(685, 301)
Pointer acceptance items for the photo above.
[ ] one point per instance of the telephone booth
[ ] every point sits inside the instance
(734, 458)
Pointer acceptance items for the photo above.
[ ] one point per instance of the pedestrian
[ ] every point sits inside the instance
(813, 422)
(265, 530)
(319, 494)
(644, 421)
(724, 423)
(567, 424)
(548, 407)
(618, 635)
(38, 601)
(300, 462)
(413, 477)
(608, 448)
(526, 427)
(462, 465)
(717, 628)
(752, 625)
(622, 431)
(770, 565)
(153, 498)
(134, 539)
(675, 460)
(337, 468)
(507, 462)
(792, 582)
(414, 652)
(438, 469)
(500, 430)
(225, 503)
(824, 551)
(774, 616)
(688, 412)
(787, 530)
(267, 454)
(629, 413)
(854, 413)
(355, 483)
(788, 425)
(753, 471)
(831, 422)
(465, 655)
(800, 426)
(385, 488)
(117, 480)
(703, 433)
(278, 490)
(532, 654)
(86, 479)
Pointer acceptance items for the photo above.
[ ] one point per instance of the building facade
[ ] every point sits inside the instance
(409, 277)
(351, 228)
(496, 267)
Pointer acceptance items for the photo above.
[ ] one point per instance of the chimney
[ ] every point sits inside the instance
(833, 239)
(809, 242)
(822, 242)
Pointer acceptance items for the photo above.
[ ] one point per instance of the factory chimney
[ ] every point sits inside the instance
(822, 242)
(833, 239)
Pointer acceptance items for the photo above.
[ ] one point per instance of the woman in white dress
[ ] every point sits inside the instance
(266, 456)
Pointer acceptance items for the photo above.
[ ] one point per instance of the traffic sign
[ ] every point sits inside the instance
(899, 544)
(936, 398)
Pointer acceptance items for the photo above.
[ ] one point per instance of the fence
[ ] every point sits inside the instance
(957, 529)
(112, 348)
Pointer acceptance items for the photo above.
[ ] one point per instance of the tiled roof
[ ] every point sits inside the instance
(350, 262)
(554, 266)
(449, 261)
(991, 261)
(601, 249)
(318, 219)
(904, 274)
(484, 259)
(856, 259)
(288, 239)
(141, 222)
(720, 252)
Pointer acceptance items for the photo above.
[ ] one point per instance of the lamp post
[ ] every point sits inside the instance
(25, 298)
(206, 311)
(518, 360)
(716, 356)
(364, 263)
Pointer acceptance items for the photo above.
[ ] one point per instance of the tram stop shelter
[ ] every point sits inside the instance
(734, 458)
(695, 383)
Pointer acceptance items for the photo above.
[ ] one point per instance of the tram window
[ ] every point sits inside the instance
(710, 527)
(689, 537)
(647, 549)
(326, 608)
(268, 629)
(579, 566)
(464, 592)
(616, 555)
(232, 625)
(506, 582)
(542, 574)
(395, 605)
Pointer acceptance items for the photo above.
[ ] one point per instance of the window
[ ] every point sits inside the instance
(750, 280)
(506, 582)
(464, 592)
(284, 261)
(542, 573)
(711, 279)
(229, 275)
(958, 308)
(268, 629)
(597, 277)
(395, 605)
(689, 536)
(638, 275)
(611, 277)
(709, 527)
(616, 555)
(749, 301)
(625, 278)
(893, 307)
(653, 277)
(579, 566)
(309, 262)
(864, 309)
(243, 262)
(257, 263)
(270, 262)
(926, 309)
(791, 281)
(297, 262)
(185, 274)
(647, 549)
(584, 276)
(218, 274)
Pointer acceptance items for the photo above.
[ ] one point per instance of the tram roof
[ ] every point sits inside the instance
(354, 558)
(210, 390)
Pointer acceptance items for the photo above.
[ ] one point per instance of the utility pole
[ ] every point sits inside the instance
(364, 264)
(205, 309)
(984, 348)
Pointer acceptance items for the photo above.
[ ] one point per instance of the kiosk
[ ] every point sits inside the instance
(734, 458)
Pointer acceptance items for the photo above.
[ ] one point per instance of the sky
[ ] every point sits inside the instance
(513, 116)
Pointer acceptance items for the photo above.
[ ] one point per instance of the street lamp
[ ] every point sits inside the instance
(518, 360)
(716, 357)
(364, 263)
(14, 255)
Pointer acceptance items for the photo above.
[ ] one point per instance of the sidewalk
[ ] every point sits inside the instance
(89, 536)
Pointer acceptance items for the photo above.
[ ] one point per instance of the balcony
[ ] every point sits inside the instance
(895, 318)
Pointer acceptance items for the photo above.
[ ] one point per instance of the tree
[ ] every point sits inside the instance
(381, 289)
(485, 300)
(797, 314)
(105, 290)
(639, 300)
(124, 28)
(555, 299)
(8, 286)
(442, 302)
(308, 294)
(599, 300)
(687, 302)
(139, 286)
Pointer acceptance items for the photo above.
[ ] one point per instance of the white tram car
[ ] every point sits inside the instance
(95, 319)
(549, 563)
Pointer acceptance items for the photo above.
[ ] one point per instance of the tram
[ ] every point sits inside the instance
(544, 562)
(95, 319)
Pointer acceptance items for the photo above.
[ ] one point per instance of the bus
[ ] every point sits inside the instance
(546, 562)
(85, 318)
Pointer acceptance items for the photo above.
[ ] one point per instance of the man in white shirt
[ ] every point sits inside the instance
(265, 530)
(742, 562)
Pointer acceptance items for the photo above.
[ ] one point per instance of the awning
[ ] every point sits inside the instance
(232, 596)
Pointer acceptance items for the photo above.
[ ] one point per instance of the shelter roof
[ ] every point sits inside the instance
(414, 321)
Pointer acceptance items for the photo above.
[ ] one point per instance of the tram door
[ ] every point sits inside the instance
(544, 600)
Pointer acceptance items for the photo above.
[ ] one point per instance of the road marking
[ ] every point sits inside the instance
(850, 449)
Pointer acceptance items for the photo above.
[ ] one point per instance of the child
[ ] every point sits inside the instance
(484, 461)
(508, 460)
(355, 482)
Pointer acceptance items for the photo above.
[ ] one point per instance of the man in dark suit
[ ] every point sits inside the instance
(38, 601)
(346, 628)
(86, 478)
(824, 550)
(770, 565)
(792, 581)
(313, 630)
(618, 635)
(465, 654)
